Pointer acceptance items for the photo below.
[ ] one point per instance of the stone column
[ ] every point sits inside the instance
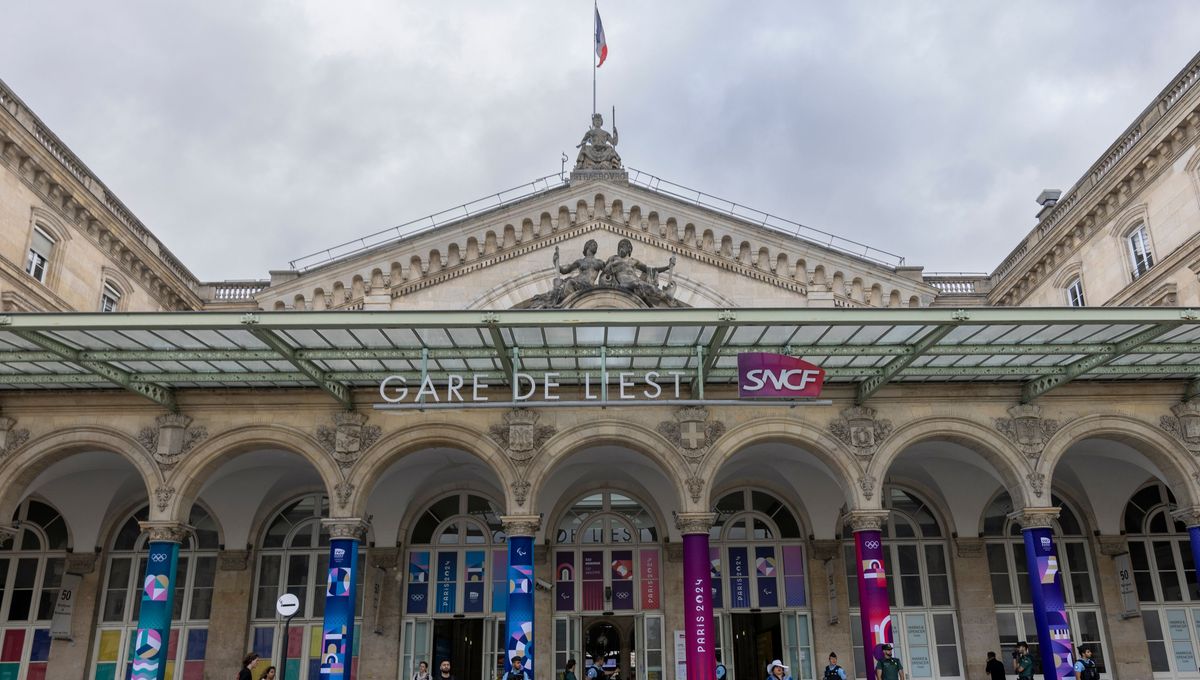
(69, 658)
(151, 641)
(518, 619)
(337, 637)
(874, 612)
(831, 615)
(700, 628)
(1126, 655)
(1046, 592)
(229, 621)
(976, 608)
(379, 650)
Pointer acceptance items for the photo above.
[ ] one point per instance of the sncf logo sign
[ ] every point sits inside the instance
(762, 375)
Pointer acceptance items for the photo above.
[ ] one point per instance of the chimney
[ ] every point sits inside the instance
(1047, 199)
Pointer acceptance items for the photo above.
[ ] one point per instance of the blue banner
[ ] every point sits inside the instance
(1049, 605)
(447, 582)
(151, 643)
(739, 578)
(418, 582)
(473, 588)
(519, 618)
(1194, 535)
(337, 641)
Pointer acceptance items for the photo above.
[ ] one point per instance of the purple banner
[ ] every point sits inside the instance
(499, 581)
(793, 575)
(1049, 606)
(593, 580)
(1194, 535)
(777, 376)
(875, 614)
(697, 613)
(739, 578)
(714, 565)
(564, 587)
(764, 570)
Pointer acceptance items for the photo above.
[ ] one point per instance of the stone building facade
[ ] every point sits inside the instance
(254, 477)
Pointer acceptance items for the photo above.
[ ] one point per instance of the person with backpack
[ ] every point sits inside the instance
(594, 671)
(1085, 667)
(833, 671)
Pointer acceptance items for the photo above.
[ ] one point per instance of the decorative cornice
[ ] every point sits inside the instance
(866, 520)
(168, 532)
(233, 560)
(1112, 545)
(1035, 518)
(80, 563)
(521, 525)
(826, 550)
(694, 522)
(1190, 516)
(353, 528)
(968, 547)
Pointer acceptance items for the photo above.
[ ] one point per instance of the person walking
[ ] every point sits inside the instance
(1085, 667)
(1022, 661)
(569, 671)
(444, 670)
(889, 667)
(833, 671)
(596, 670)
(517, 672)
(270, 674)
(248, 662)
(422, 672)
(994, 669)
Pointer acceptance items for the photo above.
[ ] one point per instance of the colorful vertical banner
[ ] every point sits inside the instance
(1194, 535)
(739, 578)
(593, 580)
(447, 582)
(649, 569)
(418, 582)
(499, 581)
(151, 642)
(876, 615)
(793, 576)
(337, 638)
(473, 587)
(764, 576)
(519, 618)
(699, 626)
(1049, 605)
(622, 580)
(714, 572)
(564, 581)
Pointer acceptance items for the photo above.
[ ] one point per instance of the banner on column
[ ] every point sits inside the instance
(337, 640)
(519, 619)
(1049, 605)
(876, 615)
(151, 641)
(698, 617)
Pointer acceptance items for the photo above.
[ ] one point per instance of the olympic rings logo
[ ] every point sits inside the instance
(873, 545)
(158, 557)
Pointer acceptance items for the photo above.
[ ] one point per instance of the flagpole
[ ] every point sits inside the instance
(595, 13)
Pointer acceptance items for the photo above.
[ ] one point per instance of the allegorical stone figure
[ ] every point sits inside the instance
(620, 272)
(597, 149)
(588, 267)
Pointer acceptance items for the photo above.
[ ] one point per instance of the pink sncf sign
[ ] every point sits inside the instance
(777, 376)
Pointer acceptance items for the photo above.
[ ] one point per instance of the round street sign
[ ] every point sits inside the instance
(287, 604)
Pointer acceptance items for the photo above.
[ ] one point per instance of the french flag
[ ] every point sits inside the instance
(601, 43)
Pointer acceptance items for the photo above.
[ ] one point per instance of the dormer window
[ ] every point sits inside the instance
(1075, 293)
(41, 246)
(1139, 250)
(110, 299)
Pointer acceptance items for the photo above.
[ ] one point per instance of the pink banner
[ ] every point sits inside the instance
(875, 613)
(697, 609)
(648, 566)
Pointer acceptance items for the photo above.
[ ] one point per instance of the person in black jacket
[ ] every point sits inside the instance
(248, 662)
(994, 668)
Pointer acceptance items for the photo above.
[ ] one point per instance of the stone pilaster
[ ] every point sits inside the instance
(379, 656)
(1126, 656)
(69, 658)
(825, 566)
(543, 621)
(229, 622)
(973, 593)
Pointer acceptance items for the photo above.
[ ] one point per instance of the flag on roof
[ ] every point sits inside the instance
(601, 43)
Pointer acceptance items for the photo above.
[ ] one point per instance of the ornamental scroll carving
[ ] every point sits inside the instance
(349, 437)
(11, 438)
(1037, 483)
(1184, 424)
(858, 428)
(343, 490)
(162, 497)
(520, 491)
(695, 487)
(1027, 429)
(171, 437)
(520, 436)
(692, 432)
(867, 484)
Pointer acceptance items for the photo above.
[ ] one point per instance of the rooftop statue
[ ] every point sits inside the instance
(621, 272)
(598, 148)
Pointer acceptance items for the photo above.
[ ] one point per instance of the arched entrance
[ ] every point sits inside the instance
(610, 644)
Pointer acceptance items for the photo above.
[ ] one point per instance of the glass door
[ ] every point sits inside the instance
(415, 647)
(567, 645)
(797, 645)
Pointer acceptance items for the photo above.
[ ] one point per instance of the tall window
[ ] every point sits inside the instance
(919, 588)
(293, 557)
(31, 570)
(122, 597)
(110, 298)
(40, 248)
(1005, 547)
(1139, 251)
(1075, 293)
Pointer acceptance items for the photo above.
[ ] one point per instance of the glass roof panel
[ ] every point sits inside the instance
(77, 340)
(403, 338)
(435, 337)
(901, 335)
(117, 339)
(621, 335)
(370, 337)
(527, 337)
(838, 335)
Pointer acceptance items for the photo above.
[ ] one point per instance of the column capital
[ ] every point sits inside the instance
(1035, 518)
(165, 531)
(866, 520)
(1190, 516)
(521, 525)
(694, 522)
(353, 528)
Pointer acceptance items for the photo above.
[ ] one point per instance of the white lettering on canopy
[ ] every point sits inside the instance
(394, 389)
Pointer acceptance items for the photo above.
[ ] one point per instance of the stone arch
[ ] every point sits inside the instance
(652, 221)
(990, 446)
(365, 476)
(420, 503)
(1160, 448)
(567, 501)
(200, 464)
(796, 506)
(807, 436)
(35, 457)
(435, 261)
(609, 431)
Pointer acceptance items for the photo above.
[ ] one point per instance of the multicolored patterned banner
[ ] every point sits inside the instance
(699, 625)
(764, 570)
(519, 618)
(564, 581)
(151, 641)
(622, 580)
(1049, 606)
(418, 582)
(337, 639)
(876, 614)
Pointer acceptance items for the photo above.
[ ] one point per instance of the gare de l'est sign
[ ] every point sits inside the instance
(760, 375)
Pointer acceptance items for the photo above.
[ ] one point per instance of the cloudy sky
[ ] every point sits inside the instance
(247, 134)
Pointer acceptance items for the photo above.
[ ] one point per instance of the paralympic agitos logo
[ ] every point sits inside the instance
(763, 375)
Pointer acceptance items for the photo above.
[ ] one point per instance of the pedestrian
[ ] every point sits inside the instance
(517, 672)
(889, 667)
(1022, 661)
(721, 672)
(1085, 667)
(777, 671)
(569, 673)
(422, 672)
(270, 674)
(833, 671)
(444, 670)
(594, 671)
(994, 669)
(248, 662)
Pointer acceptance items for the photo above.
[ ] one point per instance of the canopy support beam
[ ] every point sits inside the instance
(873, 384)
(1039, 386)
(314, 373)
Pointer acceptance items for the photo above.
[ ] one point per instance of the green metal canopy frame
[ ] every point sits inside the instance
(157, 354)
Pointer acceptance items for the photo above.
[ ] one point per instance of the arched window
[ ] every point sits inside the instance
(1161, 557)
(1141, 257)
(110, 297)
(1075, 292)
(920, 591)
(293, 557)
(613, 539)
(122, 596)
(31, 571)
(1005, 547)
